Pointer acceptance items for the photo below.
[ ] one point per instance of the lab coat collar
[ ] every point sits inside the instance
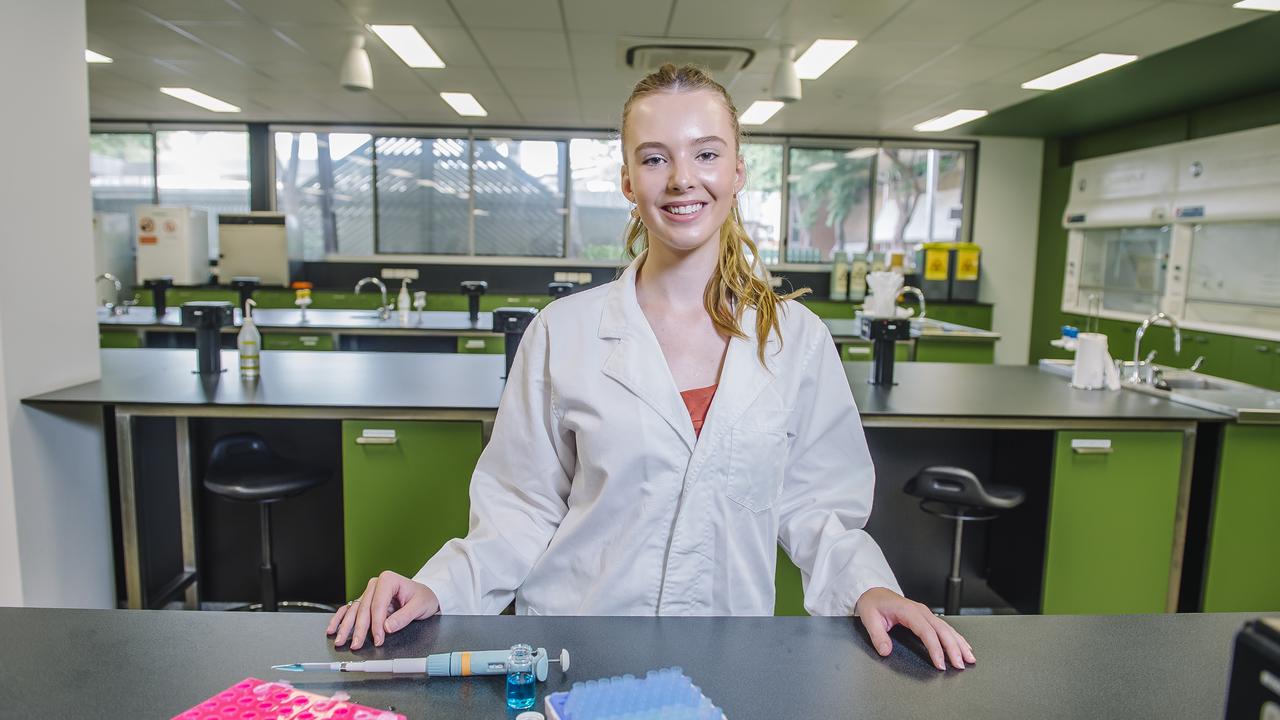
(638, 364)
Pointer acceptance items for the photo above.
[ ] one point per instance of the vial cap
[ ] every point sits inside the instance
(530, 715)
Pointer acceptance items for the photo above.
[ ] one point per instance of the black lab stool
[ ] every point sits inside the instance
(957, 494)
(244, 468)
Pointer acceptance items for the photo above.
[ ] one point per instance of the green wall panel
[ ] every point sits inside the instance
(788, 587)
(1242, 571)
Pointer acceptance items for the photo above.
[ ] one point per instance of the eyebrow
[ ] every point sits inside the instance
(659, 146)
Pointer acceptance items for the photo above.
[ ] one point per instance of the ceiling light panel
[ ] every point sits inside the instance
(1076, 72)
(93, 57)
(195, 97)
(464, 104)
(408, 43)
(950, 120)
(1267, 5)
(759, 112)
(820, 56)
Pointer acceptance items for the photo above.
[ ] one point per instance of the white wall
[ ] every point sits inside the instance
(55, 531)
(1005, 223)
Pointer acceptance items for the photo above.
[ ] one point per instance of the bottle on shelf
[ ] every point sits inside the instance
(858, 278)
(839, 277)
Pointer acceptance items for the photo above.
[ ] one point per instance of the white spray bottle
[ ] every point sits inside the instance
(402, 301)
(249, 342)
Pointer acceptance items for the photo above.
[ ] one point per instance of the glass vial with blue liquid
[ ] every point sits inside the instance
(521, 686)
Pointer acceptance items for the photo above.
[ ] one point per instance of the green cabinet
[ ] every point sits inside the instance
(119, 338)
(1112, 509)
(1242, 572)
(860, 351)
(404, 486)
(961, 351)
(296, 341)
(1256, 362)
(788, 587)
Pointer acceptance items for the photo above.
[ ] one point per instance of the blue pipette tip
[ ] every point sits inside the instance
(292, 667)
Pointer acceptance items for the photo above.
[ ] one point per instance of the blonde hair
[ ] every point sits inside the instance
(736, 283)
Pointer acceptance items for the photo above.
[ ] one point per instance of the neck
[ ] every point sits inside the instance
(676, 280)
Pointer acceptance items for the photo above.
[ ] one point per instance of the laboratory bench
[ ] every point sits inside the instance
(1135, 504)
(127, 664)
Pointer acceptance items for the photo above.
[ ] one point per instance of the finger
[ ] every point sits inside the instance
(875, 623)
(361, 629)
(918, 622)
(387, 590)
(333, 621)
(413, 609)
(968, 650)
(344, 628)
(950, 641)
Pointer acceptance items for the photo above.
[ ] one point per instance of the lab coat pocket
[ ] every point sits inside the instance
(757, 458)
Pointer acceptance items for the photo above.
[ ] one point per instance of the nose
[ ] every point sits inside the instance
(681, 178)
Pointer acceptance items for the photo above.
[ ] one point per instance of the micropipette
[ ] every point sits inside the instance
(450, 664)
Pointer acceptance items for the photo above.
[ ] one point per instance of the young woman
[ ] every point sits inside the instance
(660, 435)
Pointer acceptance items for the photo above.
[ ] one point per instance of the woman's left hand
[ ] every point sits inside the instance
(881, 609)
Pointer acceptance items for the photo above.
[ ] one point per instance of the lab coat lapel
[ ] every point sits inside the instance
(637, 361)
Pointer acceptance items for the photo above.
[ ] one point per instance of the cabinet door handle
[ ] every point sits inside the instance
(1261, 348)
(374, 436)
(1081, 446)
(474, 345)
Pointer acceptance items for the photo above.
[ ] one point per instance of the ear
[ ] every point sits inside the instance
(626, 184)
(740, 175)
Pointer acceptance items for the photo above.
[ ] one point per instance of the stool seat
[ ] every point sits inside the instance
(961, 488)
(243, 467)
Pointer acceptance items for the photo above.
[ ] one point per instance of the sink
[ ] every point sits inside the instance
(1175, 380)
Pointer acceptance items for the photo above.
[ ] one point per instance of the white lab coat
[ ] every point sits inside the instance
(593, 497)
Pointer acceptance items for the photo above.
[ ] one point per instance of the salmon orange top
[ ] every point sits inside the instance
(698, 401)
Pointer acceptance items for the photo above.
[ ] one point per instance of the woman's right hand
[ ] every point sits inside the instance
(403, 598)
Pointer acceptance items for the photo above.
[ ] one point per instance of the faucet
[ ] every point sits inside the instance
(118, 307)
(384, 310)
(1135, 373)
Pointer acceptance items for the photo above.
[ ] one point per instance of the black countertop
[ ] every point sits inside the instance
(474, 382)
(154, 664)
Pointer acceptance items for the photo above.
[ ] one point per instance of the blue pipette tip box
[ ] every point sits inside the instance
(660, 694)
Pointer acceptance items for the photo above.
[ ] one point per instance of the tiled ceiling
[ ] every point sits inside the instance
(561, 62)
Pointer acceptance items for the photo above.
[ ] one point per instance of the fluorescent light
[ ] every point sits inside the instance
(93, 57)
(759, 112)
(1269, 5)
(464, 104)
(862, 153)
(195, 97)
(820, 56)
(950, 120)
(408, 43)
(1076, 72)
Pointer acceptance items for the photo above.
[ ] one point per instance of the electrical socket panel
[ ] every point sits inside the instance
(399, 273)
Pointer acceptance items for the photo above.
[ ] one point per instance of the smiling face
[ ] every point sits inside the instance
(681, 166)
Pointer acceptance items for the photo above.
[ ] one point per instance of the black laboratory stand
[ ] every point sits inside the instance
(884, 333)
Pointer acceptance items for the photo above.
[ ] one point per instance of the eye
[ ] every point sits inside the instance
(653, 160)
(708, 155)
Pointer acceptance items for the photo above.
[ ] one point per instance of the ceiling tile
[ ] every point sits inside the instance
(177, 10)
(535, 49)
(1164, 26)
(504, 14)
(1034, 68)
(312, 11)
(1049, 24)
(945, 21)
(549, 111)
(423, 14)
(807, 20)
(970, 64)
(245, 40)
(725, 18)
(532, 82)
(614, 18)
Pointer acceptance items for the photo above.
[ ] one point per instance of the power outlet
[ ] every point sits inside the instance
(399, 273)
(584, 278)
(562, 277)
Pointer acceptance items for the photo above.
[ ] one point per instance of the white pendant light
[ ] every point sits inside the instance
(786, 81)
(357, 73)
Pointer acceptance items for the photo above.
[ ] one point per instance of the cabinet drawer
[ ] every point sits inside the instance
(404, 487)
(1112, 508)
(1242, 572)
(290, 341)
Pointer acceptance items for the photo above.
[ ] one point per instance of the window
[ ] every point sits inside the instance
(919, 197)
(519, 190)
(324, 185)
(424, 195)
(760, 202)
(598, 212)
(829, 202)
(203, 169)
(121, 175)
